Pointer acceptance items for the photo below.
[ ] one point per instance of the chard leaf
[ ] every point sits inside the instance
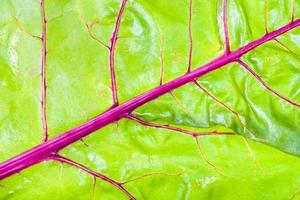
(170, 100)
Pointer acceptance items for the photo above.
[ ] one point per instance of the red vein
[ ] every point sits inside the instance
(42, 151)
(190, 37)
(246, 67)
(225, 24)
(44, 84)
(185, 132)
(93, 173)
(176, 129)
(113, 40)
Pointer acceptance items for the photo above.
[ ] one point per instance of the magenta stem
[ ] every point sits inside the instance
(43, 151)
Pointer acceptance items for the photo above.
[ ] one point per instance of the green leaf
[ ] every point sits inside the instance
(177, 146)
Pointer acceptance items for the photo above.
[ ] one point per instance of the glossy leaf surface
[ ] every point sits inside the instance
(247, 110)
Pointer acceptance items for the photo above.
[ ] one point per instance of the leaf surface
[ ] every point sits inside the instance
(232, 133)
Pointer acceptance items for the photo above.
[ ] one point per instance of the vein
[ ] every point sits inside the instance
(42, 151)
(96, 175)
(233, 112)
(215, 98)
(182, 107)
(258, 77)
(190, 37)
(293, 10)
(148, 175)
(89, 28)
(295, 195)
(266, 15)
(285, 47)
(24, 30)
(93, 173)
(203, 156)
(84, 143)
(94, 186)
(176, 129)
(193, 134)
(225, 24)
(161, 58)
(112, 48)
(252, 156)
(44, 60)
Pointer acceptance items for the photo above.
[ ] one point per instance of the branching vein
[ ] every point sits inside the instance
(112, 48)
(176, 129)
(93, 173)
(44, 150)
(258, 77)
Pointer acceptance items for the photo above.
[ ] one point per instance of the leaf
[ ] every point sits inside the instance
(217, 116)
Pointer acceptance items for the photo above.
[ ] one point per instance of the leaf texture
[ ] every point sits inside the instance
(226, 125)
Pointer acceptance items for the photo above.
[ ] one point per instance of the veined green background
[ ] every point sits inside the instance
(78, 88)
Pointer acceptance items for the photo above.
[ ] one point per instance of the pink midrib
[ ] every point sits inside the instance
(43, 151)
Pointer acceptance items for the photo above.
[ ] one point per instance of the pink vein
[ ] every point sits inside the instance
(227, 43)
(94, 174)
(245, 66)
(215, 98)
(185, 132)
(42, 151)
(112, 54)
(179, 130)
(44, 84)
(190, 36)
(234, 113)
